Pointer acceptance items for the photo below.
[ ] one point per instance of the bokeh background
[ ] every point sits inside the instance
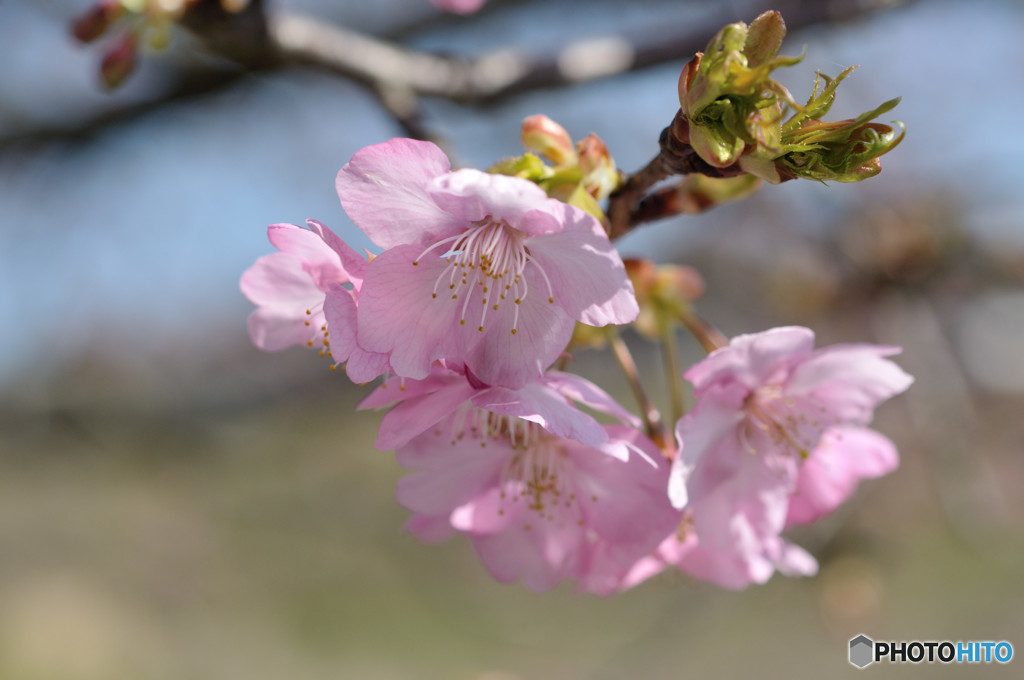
(175, 504)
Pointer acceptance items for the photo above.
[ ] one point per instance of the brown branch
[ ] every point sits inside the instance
(676, 157)
(397, 73)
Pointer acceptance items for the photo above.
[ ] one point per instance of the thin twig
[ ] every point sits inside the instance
(675, 157)
(709, 337)
(670, 352)
(648, 412)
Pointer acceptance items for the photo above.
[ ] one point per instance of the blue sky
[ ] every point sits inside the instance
(135, 237)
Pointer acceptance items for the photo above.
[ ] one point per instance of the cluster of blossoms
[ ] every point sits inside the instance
(486, 280)
(475, 294)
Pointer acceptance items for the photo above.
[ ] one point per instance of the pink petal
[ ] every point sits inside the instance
(585, 392)
(397, 315)
(849, 381)
(471, 196)
(272, 331)
(752, 360)
(395, 391)
(727, 569)
(512, 360)
(352, 262)
(542, 405)
(278, 280)
(746, 508)
(417, 415)
(439, 491)
(452, 472)
(792, 560)
(319, 261)
(711, 426)
(830, 475)
(667, 554)
(384, 190)
(541, 556)
(340, 312)
(631, 509)
(491, 513)
(361, 366)
(587, 276)
(430, 529)
(611, 568)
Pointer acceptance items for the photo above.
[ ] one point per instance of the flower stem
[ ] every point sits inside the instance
(648, 413)
(709, 337)
(675, 378)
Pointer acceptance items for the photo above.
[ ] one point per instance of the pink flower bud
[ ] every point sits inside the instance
(549, 139)
(679, 283)
(600, 178)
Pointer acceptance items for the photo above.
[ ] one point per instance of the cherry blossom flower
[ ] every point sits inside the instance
(536, 506)
(754, 561)
(483, 270)
(778, 434)
(418, 405)
(314, 277)
(542, 489)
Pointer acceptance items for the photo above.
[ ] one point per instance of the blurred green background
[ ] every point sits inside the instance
(175, 504)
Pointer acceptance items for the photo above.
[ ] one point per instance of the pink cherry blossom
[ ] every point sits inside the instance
(843, 457)
(537, 507)
(479, 269)
(777, 434)
(548, 401)
(314, 277)
(734, 569)
(542, 489)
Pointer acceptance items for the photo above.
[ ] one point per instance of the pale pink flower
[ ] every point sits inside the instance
(453, 391)
(778, 432)
(459, 6)
(536, 506)
(479, 269)
(542, 489)
(292, 289)
(752, 562)
(843, 457)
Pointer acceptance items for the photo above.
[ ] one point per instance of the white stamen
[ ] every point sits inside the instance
(439, 243)
(488, 254)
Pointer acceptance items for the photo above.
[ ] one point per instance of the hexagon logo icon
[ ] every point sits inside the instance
(862, 651)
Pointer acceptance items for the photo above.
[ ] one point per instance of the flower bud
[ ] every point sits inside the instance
(119, 62)
(733, 113)
(664, 293)
(600, 178)
(544, 136)
(95, 21)
(843, 151)
(726, 93)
